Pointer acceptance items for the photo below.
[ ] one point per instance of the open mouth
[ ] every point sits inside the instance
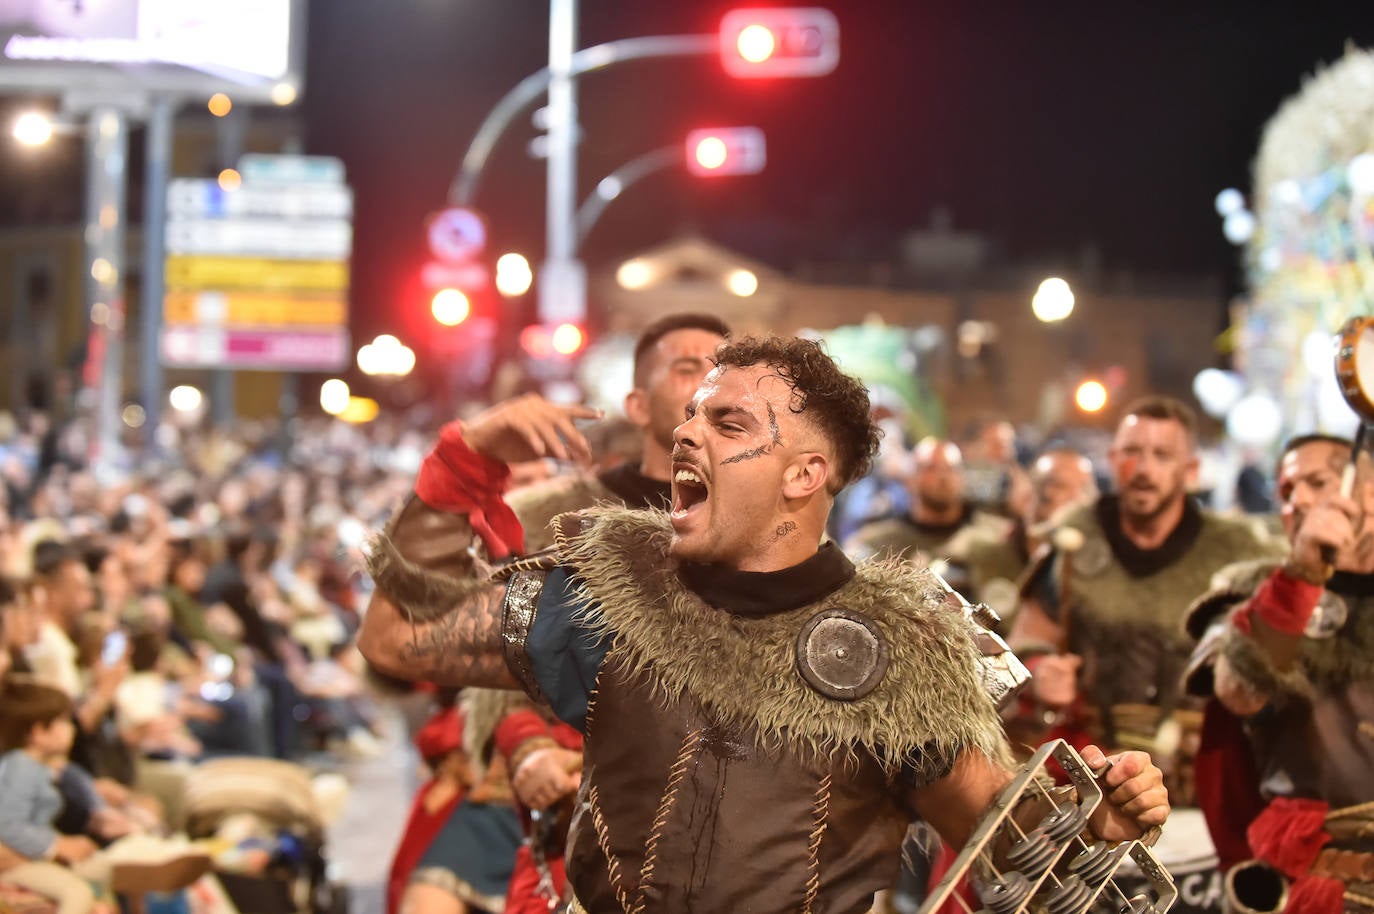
(689, 490)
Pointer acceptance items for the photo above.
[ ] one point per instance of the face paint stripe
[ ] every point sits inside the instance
(749, 454)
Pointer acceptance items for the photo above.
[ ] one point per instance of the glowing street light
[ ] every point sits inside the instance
(567, 339)
(334, 396)
(1053, 301)
(284, 94)
(513, 275)
(230, 180)
(386, 355)
(220, 104)
(185, 399)
(1090, 396)
(33, 128)
(634, 274)
(742, 283)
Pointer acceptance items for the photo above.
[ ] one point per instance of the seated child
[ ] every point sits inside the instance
(36, 733)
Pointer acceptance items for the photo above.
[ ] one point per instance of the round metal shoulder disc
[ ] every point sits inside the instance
(1328, 617)
(841, 654)
(1092, 559)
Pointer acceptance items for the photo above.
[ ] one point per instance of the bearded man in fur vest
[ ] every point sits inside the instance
(1286, 655)
(762, 717)
(1101, 620)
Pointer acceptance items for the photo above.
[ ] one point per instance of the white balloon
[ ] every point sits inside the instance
(1217, 390)
(1255, 420)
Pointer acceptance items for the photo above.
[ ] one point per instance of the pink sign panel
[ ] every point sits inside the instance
(198, 347)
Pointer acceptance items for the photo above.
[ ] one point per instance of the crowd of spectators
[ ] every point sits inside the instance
(193, 605)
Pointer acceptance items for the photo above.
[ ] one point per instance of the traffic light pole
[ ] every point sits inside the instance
(618, 181)
(531, 88)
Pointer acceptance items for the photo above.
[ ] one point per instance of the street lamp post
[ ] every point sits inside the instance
(157, 171)
(562, 281)
(618, 181)
(107, 145)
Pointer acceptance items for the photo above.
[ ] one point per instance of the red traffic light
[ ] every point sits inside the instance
(726, 151)
(450, 306)
(540, 341)
(788, 41)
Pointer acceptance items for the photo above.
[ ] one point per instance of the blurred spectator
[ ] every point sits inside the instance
(938, 512)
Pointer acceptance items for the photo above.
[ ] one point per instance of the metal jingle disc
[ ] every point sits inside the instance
(1065, 822)
(1092, 865)
(841, 654)
(1033, 854)
(1139, 904)
(1005, 895)
(1073, 893)
(1328, 617)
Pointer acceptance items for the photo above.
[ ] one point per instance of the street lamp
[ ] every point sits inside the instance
(1053, 301)
(634, 274)
(1091, 396)
(185, 399)
(513, 275)
(742, 283)
(334, 396)
(33, 128)
(387, 356)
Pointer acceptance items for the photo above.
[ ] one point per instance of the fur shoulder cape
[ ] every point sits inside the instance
(742, 671)
(537, 505)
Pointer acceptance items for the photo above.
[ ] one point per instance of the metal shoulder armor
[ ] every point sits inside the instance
(1004, 675)
(524, 579)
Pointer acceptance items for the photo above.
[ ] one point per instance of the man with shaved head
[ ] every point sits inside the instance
(1059, 479)
(939, 512)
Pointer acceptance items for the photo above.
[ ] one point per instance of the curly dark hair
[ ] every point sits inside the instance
(834, 401)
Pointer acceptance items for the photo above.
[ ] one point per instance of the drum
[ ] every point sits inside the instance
(1187, 852)
(1355, 365)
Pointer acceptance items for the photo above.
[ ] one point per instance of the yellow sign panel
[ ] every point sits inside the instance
(259, 274)
(249, 309)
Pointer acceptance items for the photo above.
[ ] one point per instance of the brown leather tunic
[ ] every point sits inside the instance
(683, 815)
(717, 779)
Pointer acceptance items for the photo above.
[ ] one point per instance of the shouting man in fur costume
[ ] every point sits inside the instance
(1286, 772)
(762, 718)
(671, 356)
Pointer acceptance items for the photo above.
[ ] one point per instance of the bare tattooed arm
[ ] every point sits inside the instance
(434, 615)
(460, 648)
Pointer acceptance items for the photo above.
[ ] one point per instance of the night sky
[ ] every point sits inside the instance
(1048, 126)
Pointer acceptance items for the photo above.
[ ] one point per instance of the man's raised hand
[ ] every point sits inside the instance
(528, 428)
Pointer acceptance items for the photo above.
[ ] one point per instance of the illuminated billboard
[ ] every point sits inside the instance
(252, 48)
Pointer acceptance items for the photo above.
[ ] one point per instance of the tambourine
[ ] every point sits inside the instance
(1355, 375)
(1355, 365)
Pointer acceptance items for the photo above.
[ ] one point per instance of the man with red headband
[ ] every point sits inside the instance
(1286, 655)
